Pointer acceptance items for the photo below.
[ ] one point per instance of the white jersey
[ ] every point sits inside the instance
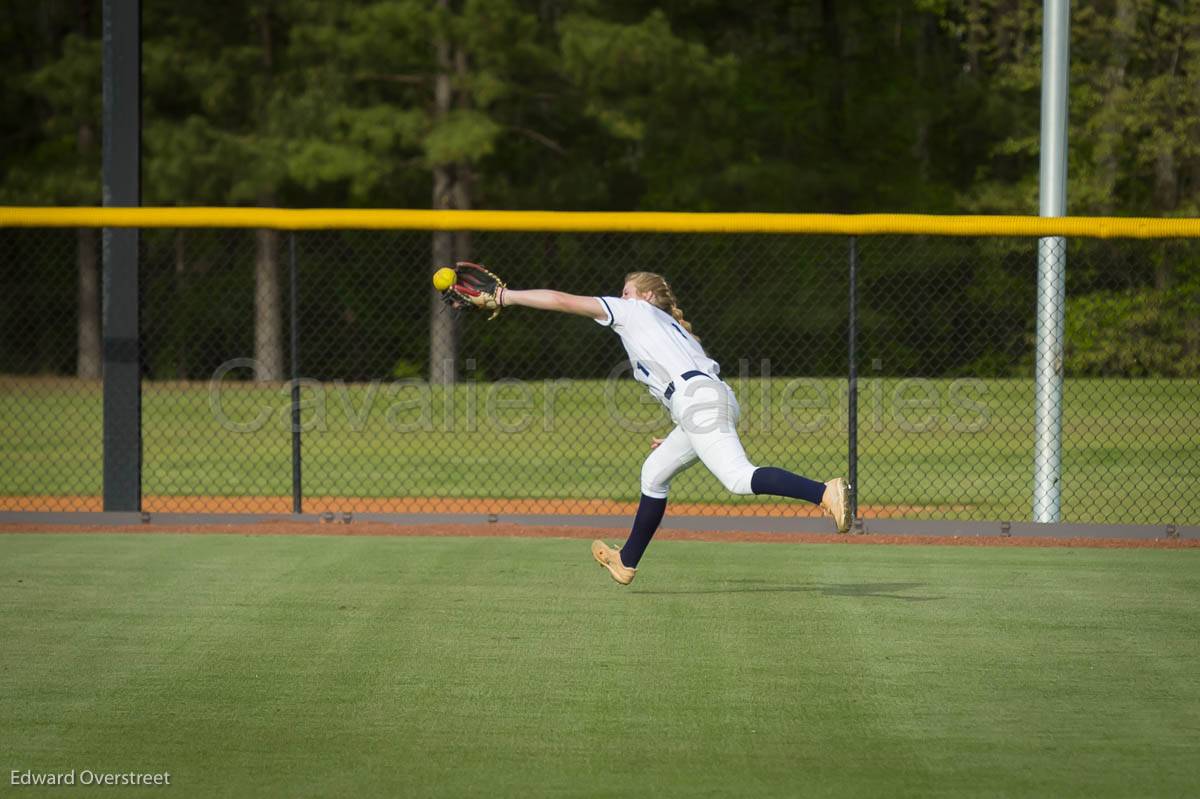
(660, 350)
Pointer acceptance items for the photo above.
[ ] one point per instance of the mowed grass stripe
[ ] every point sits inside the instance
(314, 666)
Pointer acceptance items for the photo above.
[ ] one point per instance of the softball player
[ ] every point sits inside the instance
(668, 359)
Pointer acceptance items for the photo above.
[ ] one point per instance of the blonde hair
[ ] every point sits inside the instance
(661, 295)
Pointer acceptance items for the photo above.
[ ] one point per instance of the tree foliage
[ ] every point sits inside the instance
(1135, 333)
(904, 105)
(800, 106)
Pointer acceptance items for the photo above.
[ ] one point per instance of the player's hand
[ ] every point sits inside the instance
(654, 442)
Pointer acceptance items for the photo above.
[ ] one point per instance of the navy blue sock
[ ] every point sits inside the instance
(782, 483)
(649, 516)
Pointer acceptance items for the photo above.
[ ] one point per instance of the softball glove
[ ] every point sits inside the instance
(476, 287)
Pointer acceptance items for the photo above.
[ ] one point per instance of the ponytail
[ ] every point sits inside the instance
(678, 314)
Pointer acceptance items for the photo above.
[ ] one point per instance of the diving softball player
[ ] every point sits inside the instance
(667, 358)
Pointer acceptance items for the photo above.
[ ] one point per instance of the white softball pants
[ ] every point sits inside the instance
(706, 413)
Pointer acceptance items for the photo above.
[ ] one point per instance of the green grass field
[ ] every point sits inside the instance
(1131, 448)
(316, 666)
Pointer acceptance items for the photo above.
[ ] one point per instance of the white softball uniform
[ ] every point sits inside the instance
(670, 362)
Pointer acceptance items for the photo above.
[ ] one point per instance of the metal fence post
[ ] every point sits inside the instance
(294, 290)
(1052, 259)
(852, 342)
(122, 187)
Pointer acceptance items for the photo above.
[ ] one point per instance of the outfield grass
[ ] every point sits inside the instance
(1131, 449)
(314, 666)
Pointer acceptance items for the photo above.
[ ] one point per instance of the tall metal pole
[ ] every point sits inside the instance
(294, 283)
(852, 343)
(1052, 265)
(121, 176)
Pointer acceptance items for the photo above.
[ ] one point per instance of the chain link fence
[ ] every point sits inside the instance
(404, 407)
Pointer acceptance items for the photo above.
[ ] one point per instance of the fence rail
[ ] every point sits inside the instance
(255, 363)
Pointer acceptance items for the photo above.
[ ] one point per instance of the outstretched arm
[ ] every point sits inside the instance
(547, 300)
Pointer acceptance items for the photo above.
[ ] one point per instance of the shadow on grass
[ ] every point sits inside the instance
(874, 590)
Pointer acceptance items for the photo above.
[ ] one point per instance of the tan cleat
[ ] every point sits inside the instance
(836, 502)
(610, 559)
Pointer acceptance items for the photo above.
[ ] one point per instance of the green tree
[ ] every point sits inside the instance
(1135, 333)
(405, 91)
(216, 98)
(1134, 104)
(59, 164)
(1134, 120)
(466, 95)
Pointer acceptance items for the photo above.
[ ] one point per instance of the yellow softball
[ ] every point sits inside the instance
(444, 278)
